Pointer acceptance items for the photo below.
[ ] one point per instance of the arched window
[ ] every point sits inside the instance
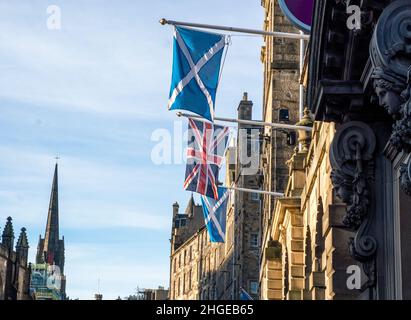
(190, 274)
(184, 283)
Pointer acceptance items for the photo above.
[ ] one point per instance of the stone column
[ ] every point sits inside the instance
(273, 275)
(296, 256)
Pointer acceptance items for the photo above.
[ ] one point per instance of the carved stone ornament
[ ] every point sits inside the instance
(351, 159)
(390, 52)
(351, 155)
(405, 178)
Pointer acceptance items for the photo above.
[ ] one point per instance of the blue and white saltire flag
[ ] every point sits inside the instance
(215, 213)
(244, 295)
(196, 71)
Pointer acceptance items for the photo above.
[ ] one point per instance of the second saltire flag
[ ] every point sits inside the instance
(244, 295)
(215, 213)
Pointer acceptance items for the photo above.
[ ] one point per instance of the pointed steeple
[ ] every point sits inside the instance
(50, 249)
(51, 236)
(190, 206)
(22, 246)
(8, 235)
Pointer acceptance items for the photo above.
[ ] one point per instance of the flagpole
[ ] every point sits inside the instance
(233, 258)
(234, 29)
(251, 122)
(274, 194)
(301, 86)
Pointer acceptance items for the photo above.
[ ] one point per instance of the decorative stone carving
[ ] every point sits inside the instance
(304, 137)
(351, 159)
(388, 88)
(405, 178)
(390, 52)
(351, 155)
(391, 42)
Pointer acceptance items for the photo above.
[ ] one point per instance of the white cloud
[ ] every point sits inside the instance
(92, 191)
(98, 70)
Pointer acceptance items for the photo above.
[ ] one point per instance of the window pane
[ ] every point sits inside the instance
(254, 240)
(253, 287)
(255, 196)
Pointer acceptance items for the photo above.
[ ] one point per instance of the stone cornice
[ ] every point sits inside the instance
(340, 54)
(281, 206)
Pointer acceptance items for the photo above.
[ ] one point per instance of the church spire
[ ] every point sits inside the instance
(22, 247)
(190, 207)
(8, 234)
(50, 250)
(51, 236)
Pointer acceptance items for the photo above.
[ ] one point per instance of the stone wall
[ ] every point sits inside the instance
(281, 91)
(312, 259)
(247, 231)
(12, 268)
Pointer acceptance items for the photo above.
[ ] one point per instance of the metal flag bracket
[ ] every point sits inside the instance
(251, 122)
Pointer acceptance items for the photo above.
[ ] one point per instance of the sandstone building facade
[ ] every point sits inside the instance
(247, 206)
(304, 254)
(359, 82)
(280, 58)
(340, 231)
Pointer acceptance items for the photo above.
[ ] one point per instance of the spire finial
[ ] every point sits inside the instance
(22, 242)
(8, 234)
(190, 207)
(51, 236)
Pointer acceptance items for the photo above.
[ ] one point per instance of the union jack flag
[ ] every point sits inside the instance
(206, 147)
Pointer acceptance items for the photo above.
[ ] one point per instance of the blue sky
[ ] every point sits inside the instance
(93, 93)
